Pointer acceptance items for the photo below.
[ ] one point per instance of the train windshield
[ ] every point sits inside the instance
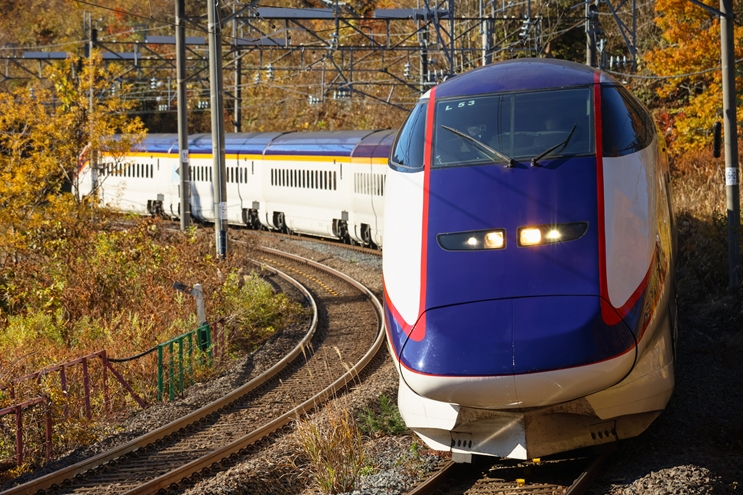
(506, 128)
(407, 150)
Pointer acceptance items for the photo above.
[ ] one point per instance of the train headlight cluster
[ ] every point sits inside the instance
(537, 235)
(473, 240)
(551, 234)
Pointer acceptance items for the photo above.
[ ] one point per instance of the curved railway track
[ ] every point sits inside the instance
(333, 352)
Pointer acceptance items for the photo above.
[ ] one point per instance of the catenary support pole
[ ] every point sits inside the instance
(180, 64)
(731, 140)
(219, 179)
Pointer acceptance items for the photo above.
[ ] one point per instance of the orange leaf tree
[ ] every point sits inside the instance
(689, 48)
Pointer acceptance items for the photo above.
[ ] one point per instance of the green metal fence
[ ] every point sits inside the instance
(178, 357)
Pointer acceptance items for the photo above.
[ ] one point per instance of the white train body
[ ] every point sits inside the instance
(327, 184)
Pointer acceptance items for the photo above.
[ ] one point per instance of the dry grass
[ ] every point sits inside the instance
(334, 444)
(110, 288)
(701, 218)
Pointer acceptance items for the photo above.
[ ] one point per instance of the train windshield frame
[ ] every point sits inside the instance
(517, 126)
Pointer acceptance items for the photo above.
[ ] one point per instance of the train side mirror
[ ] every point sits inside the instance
(717, 139)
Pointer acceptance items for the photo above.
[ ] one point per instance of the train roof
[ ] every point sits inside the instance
(521, 75)
(376, 145)
(247, 143)
(160, 143)
(320, 143)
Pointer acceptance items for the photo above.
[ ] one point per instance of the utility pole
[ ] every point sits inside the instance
(732, 191)
(93, 162)
(237, 123)
(180, 64)
(219, 179)
(591, 18)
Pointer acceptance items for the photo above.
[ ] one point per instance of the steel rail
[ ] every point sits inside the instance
(57, 478)
(582, 482)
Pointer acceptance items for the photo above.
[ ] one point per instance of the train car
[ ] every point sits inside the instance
(328, 184)
(138, 183)
(528, 274)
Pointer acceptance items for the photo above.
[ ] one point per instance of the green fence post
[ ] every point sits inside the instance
(180, 365)
(203, 337)
(170, 371)
(189, 336)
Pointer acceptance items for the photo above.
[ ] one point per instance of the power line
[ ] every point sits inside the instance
(677, 76)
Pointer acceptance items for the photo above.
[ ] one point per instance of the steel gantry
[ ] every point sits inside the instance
(387, 55)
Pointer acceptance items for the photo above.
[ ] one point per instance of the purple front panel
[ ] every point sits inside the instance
(511, 337)
(465, 340)
(495, 197)
(563, 332)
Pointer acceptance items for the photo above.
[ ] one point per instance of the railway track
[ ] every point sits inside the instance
(346, 333)
(487, 476)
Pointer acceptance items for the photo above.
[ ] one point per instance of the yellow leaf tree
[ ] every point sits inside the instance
(690, 47)
(44, 130)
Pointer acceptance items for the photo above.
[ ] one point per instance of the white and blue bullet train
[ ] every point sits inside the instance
(528, 271)
(328, 184)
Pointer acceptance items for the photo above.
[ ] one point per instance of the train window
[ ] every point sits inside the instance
(335, 182)
(407, 150)
(513, 126)
(626, 125)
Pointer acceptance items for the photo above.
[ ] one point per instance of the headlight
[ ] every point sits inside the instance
(473, 240)
(551, 234)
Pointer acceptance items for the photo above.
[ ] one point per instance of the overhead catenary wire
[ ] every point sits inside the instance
(676, 76)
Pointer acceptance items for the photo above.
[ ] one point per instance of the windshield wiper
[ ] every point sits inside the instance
(493, 154)
(564, 144)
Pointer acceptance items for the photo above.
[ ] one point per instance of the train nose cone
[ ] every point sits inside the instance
(515, 341)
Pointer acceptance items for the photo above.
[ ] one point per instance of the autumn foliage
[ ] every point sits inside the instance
(689, 56)
(75, 278)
